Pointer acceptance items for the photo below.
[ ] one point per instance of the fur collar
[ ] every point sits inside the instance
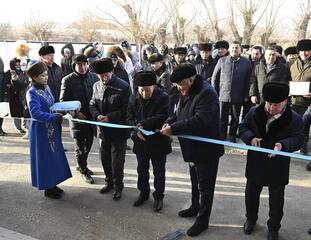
(260, 118)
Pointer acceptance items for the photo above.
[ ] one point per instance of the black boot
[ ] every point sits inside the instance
(157, 205)
(189, 212)
(117, 195)
(309, 231)
(51, 193)
(308, 167)
(197, 228)
(140, 200)
(248, 227)
(106, 188)
(273, 235)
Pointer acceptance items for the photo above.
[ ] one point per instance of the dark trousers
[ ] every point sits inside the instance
(83, 145)
(235, 110)
(1, 122)
(112, 155)
(203, 179)
(158, 165)
(276, 204)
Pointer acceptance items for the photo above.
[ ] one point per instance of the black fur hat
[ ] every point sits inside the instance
(155, 57)
(182, 71)
(205, 47)
(44, 50)
(275, 92)
(304, 45)
(222, 44)
(290, 50)
(102, 65)
(145, 78)
(180, 50)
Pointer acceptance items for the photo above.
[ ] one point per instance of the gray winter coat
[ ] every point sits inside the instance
(231, 79)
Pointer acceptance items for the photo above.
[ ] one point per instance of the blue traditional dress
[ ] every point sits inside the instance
(49, 165)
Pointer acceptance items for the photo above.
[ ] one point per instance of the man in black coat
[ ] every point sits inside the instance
(109, 105)
(197, 114)
(78, 86)
(271, 125)
(148, 109)
(55, 72)
(204, 63)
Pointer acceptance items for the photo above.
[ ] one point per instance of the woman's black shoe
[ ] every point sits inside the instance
(51, 193)
(58, 190)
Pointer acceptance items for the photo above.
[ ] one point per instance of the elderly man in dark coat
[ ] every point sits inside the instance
(78, 86)
(197, 114)
(148, 109)
(109, 105)
(271, 125)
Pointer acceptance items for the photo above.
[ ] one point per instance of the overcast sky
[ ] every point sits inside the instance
(15, 12)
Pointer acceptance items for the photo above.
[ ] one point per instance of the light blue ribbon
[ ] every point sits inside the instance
(202, 139)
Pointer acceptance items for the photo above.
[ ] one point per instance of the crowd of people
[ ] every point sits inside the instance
(192, 89)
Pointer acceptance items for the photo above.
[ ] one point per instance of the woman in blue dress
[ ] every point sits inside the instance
(49, 165)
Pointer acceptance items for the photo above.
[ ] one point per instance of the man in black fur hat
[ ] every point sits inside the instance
(197, 114)
(55, 72)
(148, 108)
(204, 63)
(109, 105)
(291, 55)
(273, 125)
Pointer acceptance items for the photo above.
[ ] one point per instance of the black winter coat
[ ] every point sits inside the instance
(205, 68)
(55, 75)
(150, 114)
(111, 100)
(17, 93)
(198, 115)
(121, 73)
(260, 76)
(287, 130)
(76, 87)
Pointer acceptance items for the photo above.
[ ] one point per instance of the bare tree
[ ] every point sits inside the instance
(144, 23)
(39, 28)
(179, 22)
(211, 12)
(247, 9)
(88, 26)
(5, 31)
(270, 21)
(304, 18)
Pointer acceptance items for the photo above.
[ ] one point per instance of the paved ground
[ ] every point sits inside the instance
(85, 214)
